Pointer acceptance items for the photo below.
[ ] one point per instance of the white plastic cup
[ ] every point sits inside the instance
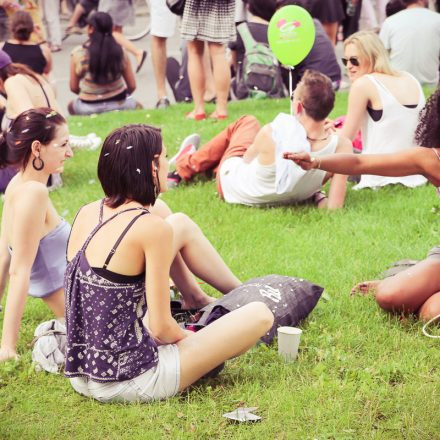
(288, 342)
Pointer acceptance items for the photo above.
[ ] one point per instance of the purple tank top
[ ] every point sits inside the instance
(106, 339)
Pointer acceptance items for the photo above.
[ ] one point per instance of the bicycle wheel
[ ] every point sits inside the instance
(141, 26)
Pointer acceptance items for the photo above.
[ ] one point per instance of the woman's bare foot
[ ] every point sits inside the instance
(197, 302)
(365, 287)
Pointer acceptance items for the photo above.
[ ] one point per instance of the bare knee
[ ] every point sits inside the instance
(183, 224)
(261, 314)
(429, 310)
(388, 297)
(161, 209)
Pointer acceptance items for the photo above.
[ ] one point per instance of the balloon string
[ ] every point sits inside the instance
(291, 86)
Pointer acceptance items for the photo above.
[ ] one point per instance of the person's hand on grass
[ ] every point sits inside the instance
(301, 159)
(7, 354)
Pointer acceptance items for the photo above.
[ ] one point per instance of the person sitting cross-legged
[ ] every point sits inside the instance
(248, 159)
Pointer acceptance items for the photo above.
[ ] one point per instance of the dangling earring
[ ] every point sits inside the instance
(40, 164)
(156, 183)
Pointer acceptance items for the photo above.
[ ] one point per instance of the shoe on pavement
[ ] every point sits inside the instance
(188, 146)
(163, 103)
(173, 179)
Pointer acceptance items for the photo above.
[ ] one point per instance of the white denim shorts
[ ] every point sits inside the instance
(163, 21)
(160, 382)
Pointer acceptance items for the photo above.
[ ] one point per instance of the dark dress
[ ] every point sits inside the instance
(30, 55)
(328, 11)
(209, 20)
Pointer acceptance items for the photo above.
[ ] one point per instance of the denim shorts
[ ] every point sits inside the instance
(160, 382)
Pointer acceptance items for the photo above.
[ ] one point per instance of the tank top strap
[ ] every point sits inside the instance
(102, 223)
(383, 91)
(121, 236)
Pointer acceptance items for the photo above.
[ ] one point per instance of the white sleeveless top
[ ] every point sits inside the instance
(394, 132)
(256, 184)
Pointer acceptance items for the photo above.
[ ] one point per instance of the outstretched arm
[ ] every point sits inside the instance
(405, 163)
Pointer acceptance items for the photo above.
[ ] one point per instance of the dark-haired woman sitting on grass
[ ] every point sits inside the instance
(100, 72)
(417, 289)
(122, 342)
(33, 236)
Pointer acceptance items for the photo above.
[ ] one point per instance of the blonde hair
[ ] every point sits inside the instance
(372, 50)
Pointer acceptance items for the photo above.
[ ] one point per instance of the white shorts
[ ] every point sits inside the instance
(157, 383)
(163, 21)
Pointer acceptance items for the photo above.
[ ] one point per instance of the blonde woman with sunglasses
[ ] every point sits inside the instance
(383, 103)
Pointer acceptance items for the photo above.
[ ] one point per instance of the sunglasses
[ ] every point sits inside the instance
(353, 61)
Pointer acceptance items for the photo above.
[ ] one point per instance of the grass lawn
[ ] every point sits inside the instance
(361, 373)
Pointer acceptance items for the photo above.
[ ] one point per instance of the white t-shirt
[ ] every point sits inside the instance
(413, 38)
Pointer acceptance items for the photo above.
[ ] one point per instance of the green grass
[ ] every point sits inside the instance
(361, 373)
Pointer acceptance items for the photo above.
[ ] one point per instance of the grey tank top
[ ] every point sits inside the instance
(47, 274)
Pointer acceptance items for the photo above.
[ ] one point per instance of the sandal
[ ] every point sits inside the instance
(196, 117)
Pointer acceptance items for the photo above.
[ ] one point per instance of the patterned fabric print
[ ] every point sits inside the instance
(209, 20)
(106, 340)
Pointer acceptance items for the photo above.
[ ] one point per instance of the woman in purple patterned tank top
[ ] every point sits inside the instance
(122, 342)
(415, 290)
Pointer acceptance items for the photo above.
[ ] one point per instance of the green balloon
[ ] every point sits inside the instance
(291, 34)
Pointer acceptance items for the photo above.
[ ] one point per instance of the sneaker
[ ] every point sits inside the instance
(89, 142)
(188, 146)
(163, 103)
(173, 179)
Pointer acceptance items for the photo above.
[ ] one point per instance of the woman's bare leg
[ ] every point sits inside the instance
(199, 254)
(196, 74)
(209, 77)
(430, 308)
(410, 289)
(193, 296)
(127, 44)
(55, 302)
(331, 30)
(222, 77)
(229, 336)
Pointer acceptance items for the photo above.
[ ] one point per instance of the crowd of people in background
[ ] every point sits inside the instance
(287, 161)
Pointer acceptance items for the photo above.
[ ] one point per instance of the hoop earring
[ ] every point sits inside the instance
(40, 165)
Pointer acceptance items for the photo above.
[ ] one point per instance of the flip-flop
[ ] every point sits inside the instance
(144, 56)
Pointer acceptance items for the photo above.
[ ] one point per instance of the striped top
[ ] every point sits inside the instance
(89, 90)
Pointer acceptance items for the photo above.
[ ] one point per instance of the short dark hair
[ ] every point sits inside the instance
(262, 8)
(38, 124)
(22, 25)
(393, 7)
(303, 3)
(125, 164)
(317, 94)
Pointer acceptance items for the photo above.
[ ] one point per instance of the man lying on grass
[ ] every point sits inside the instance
(248, 159)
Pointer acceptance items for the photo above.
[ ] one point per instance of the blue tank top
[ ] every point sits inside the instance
(106, 339)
